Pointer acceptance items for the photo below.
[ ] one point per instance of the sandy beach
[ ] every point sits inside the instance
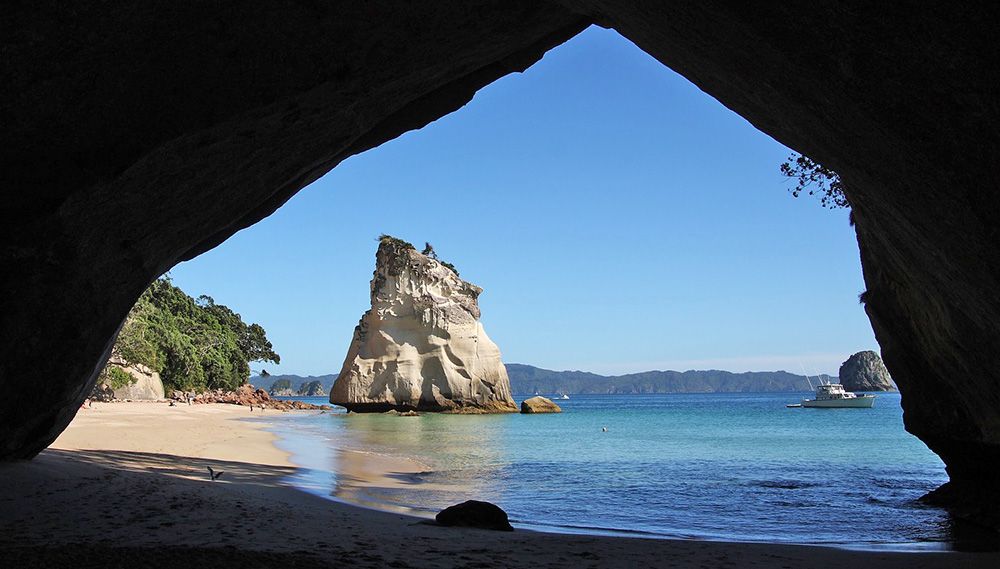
(127, 485)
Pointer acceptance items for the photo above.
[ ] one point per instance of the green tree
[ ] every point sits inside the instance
(194, 344)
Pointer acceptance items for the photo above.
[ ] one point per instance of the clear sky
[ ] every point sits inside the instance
(618, 218)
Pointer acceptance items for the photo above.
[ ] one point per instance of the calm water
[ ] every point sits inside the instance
(714, 466)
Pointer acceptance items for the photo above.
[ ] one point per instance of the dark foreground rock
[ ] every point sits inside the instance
(974, 503)
(539, 404)
(475, 514)
(864, 371)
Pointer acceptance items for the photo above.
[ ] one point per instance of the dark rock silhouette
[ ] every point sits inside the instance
(130, 150)
(475, 514)
(864, 371)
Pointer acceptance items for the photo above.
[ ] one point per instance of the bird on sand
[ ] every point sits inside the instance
(213, 474)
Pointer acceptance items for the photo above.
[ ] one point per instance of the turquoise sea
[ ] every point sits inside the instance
(704, 466)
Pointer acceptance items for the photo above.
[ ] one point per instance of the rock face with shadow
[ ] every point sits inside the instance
(138, 136)
(146, 384)
(864, 371)
(421, 345)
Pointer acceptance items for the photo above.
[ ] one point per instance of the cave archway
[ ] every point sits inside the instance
(137, 138)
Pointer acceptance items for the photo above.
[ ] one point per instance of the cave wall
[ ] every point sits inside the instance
(139, 136)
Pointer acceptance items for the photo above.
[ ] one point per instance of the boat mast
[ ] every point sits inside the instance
(802, 367)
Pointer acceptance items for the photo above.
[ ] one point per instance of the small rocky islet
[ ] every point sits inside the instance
(865, 371)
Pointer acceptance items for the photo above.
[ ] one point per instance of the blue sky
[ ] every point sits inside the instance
(618, 218)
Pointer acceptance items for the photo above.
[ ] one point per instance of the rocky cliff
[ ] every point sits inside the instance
(145, 384)
(312, 389)
(864, 371)
(282, 388)
(421, 345)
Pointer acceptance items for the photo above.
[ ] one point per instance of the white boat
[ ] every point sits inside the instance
(833, 395)
(562, 396)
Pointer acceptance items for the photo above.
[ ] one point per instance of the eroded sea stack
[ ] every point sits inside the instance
(421, 345)
(864, 371)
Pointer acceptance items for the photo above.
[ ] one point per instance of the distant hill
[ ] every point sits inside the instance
(294, 381)
(527, 380)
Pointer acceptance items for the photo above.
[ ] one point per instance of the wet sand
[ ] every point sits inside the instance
(127, 485)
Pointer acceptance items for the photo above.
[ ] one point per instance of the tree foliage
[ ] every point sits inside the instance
(194, 344)
(116, 377)
(815, 179)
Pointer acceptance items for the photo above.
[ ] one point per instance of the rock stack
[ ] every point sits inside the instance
(421, 345)
(864, 371)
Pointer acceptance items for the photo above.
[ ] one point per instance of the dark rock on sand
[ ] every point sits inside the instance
(475, 514)
(539, 404)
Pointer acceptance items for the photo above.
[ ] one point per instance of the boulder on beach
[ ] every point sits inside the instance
(864, 371)
(539, 404)
(421, 345)
(475, 514)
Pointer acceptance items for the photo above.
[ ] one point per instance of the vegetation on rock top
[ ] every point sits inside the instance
(386, 239)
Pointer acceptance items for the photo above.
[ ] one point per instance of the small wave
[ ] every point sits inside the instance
(410, 477)
(597, 529)
(785, 484)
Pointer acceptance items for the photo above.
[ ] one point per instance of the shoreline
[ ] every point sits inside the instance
(134, 502)
(375, 470)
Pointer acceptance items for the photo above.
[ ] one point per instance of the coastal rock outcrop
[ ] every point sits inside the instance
(864, 371)
(145, 383)
(421, 345)
(282, 388)
(539, 404)
(312, 389)
(248, 396)
(475, 514)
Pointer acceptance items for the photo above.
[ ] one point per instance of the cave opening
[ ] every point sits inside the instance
(123, 165)
(597, 192)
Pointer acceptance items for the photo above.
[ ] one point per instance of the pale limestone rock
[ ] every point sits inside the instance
(539, 404)
(146, 385)
(421, 344)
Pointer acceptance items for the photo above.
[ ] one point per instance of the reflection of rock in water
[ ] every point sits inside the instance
(421, 345)
(420, 465)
